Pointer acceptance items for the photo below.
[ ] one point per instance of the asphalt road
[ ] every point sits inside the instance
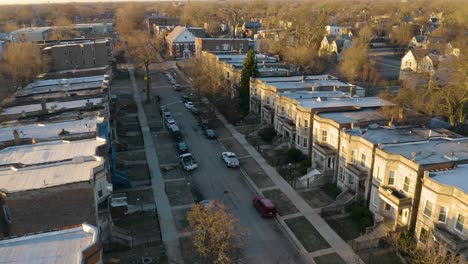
(265, 241)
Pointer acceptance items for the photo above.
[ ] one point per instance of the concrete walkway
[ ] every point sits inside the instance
(170, 236)
(337, 244)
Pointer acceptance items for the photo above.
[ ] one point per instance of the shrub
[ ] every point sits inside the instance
(295, 155)
(331, 189)
(267, 134)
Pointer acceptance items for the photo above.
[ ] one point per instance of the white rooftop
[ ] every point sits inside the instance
(432, 151)
(52, 151)
(56, 106)
(77, 43)
(71, 84)
(64, 246)
(31, 29)
(51, 130)
(314, 94)
(457, 177)
(355, 102)
(37, 177)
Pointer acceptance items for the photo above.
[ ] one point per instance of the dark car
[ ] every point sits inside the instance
(264, 206)
(182, 147)
(193, 110)
(203, 124)
(175, 132)
(210, 133)
(185, 98)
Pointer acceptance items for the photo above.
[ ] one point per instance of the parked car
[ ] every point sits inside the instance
(188, 162)
(230, 159)
(185, 98)
(194, 110)
(162, 109)
(188, 104)
(170, 122)
(203, 123)
(167, 114)
(210, 133)
(182, 147)
(175, 133)
(177, 87)
(264, 206)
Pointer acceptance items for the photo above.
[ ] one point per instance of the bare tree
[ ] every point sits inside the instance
(128, 18)
(234, 12)
(306, 58)
(216, 234)
(22, 61)
(144, 49)
(63, 29)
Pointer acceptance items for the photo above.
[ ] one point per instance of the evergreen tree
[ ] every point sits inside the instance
(249, 69)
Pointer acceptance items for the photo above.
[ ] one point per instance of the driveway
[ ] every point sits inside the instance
(265, 241)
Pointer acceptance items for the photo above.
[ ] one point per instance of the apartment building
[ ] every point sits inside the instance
(43, 197)
(398, 171)
(74, 245)
(443, 208)
(239, 45)
(75, 55)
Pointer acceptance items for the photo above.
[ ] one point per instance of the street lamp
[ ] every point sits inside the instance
(290, 173)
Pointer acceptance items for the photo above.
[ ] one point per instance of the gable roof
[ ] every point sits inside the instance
(178, 31)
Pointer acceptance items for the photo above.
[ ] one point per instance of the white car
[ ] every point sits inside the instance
(188, 105)
(170, 122)
(230, 159)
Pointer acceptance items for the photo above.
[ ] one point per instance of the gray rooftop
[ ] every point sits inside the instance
(457, 177)
(64, 246)
(388, 135)
(47, 152)
(432, 151)
(297, 78)
(355, 102)
(314, 94)
(66, 85)
(51, 106)
(50, 130)
(349, 117)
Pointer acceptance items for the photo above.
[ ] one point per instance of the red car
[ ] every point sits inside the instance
(264, 206)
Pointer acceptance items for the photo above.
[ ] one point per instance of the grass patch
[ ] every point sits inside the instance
(178, 193)
(255, 173)
(383, 258)
(140, 223)
(316, 198)
(284, 206)
(180, 217)
(306, 233)
(331, 190)
(332, 258)
(140, 197)
(345, 227)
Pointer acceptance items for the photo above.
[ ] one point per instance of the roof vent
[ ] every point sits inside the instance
(451, 156)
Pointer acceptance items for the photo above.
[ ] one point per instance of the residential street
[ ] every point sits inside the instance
(265, 241)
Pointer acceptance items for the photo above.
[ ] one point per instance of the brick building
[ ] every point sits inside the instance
(240, 45)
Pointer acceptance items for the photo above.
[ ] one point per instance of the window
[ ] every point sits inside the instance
(428, 208)
(387, 207)
(377, 172)
(391, 178)
(306, 123)
(305, 143)
(375, 198)
(282, 110)
(460, 222)
(298, 140)
(363, 160)
(217, 47)
(341, 174)
(351, 180)
(423, 235)
(343, 151)
(406, 184)
(241, 46)
(324, 135)
(442, 214)
(353, 156)
(268, 100)
(225, 46)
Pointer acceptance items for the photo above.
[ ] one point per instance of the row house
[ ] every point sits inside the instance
(443, 209)
(398, 171)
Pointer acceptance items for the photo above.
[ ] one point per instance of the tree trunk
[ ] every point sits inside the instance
(147, 77)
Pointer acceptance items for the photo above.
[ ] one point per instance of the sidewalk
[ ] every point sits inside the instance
(170, 236)
(338, 245)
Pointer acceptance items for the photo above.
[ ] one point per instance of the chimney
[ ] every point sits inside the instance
(351, 91)
(303, 78)
(401, 114)
(16, 137)
(43, 106)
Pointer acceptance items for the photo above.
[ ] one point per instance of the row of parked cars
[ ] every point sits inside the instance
(172, 81)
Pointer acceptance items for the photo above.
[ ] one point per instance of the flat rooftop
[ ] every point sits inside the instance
(348, 117)
(64, 246)
(31, 29)
(50, 130)
(355, 102)
(314, 94)
(457, 177)
(76, 43)
(386, 135)
(51, 106)
(80, 169)
(46, 152)
(55, 85)
(432, 151)
(297, 78)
